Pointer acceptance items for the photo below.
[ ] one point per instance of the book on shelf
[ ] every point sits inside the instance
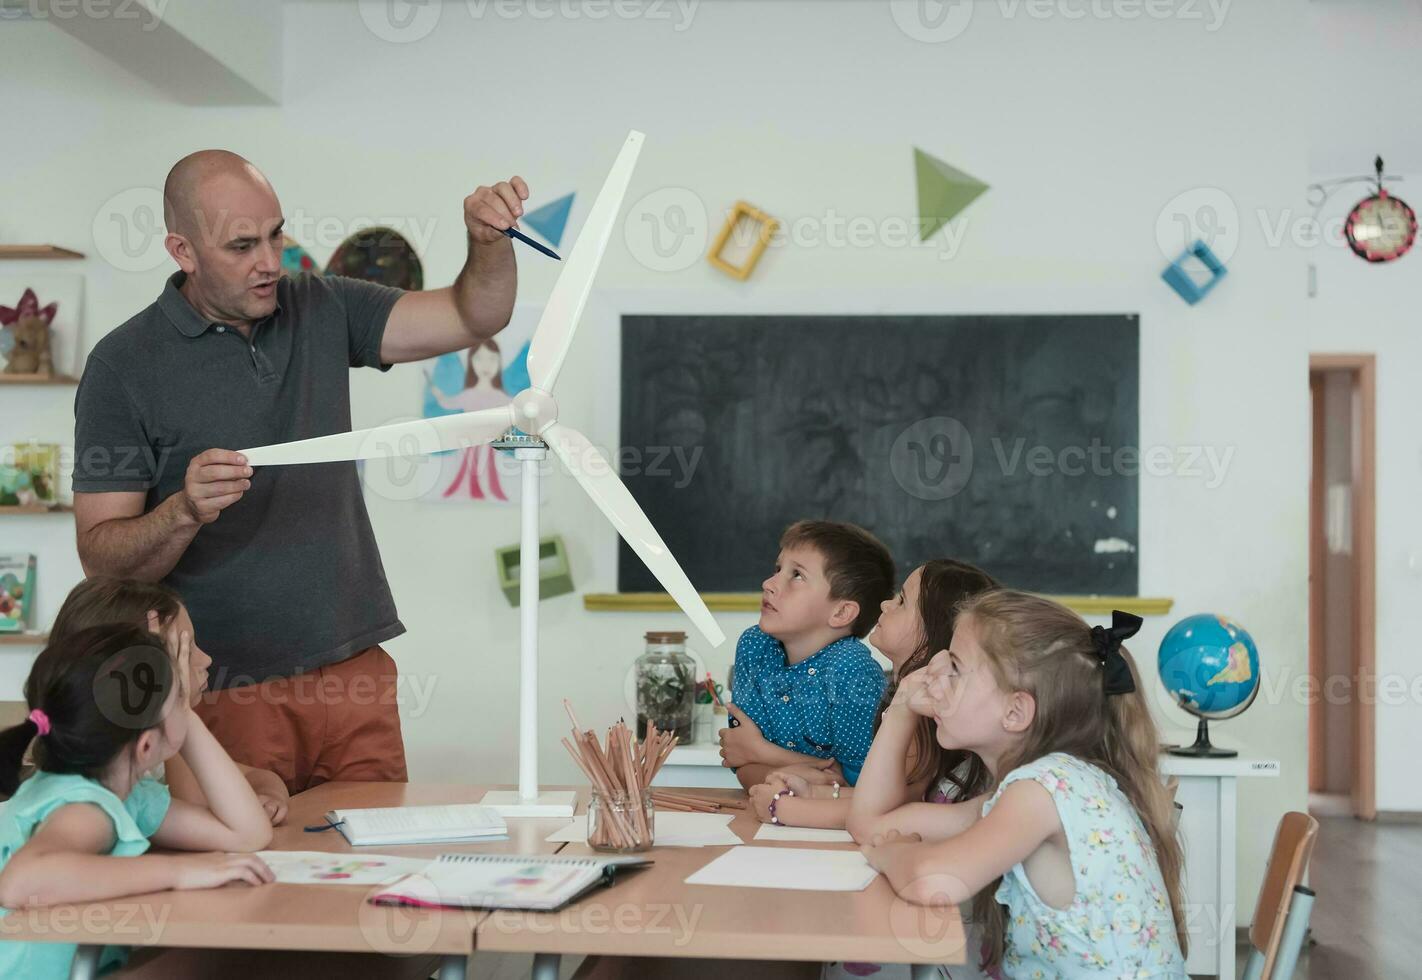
(17, 592)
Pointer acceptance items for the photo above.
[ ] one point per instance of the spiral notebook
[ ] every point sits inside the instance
(504, 881)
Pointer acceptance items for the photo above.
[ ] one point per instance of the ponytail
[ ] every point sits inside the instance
(13, 743)
(97, 690)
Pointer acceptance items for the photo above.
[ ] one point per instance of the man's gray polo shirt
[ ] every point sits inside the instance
(288, 578)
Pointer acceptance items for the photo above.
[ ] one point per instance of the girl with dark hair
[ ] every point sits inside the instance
(107, 704)
(101, 599)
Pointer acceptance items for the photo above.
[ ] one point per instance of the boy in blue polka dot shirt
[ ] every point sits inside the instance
(805, 687)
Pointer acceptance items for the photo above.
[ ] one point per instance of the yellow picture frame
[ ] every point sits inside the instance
(739, 211)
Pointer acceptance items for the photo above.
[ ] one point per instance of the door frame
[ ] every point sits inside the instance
(1363, 367)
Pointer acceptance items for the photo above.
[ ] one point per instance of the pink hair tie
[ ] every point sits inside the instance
(41, 721)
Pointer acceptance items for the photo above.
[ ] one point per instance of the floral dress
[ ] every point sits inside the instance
(1119, 923)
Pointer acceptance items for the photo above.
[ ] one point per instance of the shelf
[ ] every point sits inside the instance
(1087, 605)
(38, 252)
(23, 639)
(37, 379)
(21, 510)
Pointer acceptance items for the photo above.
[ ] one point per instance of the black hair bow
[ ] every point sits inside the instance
(1116, 673)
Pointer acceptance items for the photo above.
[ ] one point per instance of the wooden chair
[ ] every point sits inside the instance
(1281, 915)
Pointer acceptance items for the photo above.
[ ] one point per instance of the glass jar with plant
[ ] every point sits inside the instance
(666, 685)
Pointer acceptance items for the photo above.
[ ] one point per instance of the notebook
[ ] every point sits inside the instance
(418, 824)
(504, 881)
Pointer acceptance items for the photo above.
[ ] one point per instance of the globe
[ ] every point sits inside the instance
(1210, 666)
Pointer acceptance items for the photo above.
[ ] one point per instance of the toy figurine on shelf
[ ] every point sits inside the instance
(27, 327)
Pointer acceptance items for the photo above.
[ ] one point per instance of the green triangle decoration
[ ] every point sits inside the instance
(943, 191)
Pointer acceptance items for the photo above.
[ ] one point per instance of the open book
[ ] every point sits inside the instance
(418, 824)
(504, 881)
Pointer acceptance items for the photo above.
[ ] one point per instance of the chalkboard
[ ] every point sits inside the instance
(1007, 441)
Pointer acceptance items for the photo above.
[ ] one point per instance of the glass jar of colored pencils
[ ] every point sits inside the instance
(618, 823)
(666, 685)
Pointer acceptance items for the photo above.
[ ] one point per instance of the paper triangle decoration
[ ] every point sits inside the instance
(943, 191)
(550, 220)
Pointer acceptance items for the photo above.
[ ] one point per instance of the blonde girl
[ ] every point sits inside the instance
(1074, 865)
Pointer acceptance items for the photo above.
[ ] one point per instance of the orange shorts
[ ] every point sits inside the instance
(341, 721)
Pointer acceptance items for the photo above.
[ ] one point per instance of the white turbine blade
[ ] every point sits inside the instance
(596, 476)
(414, 438)
(570, 293)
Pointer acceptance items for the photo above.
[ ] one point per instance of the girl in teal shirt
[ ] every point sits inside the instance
(107, 704)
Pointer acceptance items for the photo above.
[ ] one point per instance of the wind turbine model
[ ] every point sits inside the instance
(534, 412)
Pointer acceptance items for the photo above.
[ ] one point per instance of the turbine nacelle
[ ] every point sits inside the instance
(534, 410)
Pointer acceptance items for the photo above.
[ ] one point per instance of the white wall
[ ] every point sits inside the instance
(1368, 308)
(1086, 128)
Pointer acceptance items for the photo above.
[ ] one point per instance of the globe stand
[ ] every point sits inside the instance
(1202, 749)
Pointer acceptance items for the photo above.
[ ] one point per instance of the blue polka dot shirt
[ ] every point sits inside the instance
(823, 706)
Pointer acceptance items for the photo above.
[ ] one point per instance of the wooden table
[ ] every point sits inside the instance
(652, 912)
(1209, 829)
(296, 917)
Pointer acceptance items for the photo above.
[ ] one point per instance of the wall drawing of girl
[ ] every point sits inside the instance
(483, 388)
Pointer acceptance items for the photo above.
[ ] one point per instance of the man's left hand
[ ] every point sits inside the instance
(489, 211)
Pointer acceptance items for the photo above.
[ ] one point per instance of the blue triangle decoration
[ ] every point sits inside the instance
(550, 220)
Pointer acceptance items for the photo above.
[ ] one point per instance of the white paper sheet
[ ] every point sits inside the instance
(672, 829)
(322, 868)
(814, 835)
(801, 869)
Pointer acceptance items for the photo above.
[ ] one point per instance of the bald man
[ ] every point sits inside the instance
(278, 567)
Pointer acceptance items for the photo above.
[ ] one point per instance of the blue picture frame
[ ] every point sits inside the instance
(1179, 280)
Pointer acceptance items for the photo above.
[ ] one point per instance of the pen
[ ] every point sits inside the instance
(512, 233)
